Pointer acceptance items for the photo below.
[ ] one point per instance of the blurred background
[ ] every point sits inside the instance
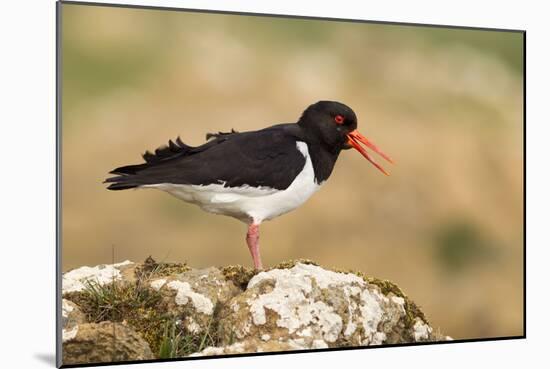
(446, 104)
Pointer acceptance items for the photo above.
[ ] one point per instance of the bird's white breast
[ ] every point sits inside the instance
(246, 203)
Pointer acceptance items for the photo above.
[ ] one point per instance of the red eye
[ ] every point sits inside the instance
(339, 119)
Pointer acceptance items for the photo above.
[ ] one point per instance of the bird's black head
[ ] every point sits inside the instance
(333, 125)
(329, 122)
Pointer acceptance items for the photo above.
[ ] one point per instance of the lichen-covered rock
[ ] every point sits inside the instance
(248, 346)
(311, 307)
(104, 342)
(193, 296)
(77, 279)
(70, 317)
(166, 310)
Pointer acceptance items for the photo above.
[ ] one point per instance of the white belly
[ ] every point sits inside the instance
(249, 204)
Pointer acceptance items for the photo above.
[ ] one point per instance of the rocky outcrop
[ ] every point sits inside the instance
(310, 307)
(104, 342)
(192, 296)
(71, 317)
(167, 310)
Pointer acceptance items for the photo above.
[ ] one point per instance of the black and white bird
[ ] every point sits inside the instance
(252, 176)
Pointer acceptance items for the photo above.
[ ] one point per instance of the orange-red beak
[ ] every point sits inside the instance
(354, 137)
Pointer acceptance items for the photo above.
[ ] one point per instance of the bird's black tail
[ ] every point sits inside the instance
(133, 176)
(129, 176)
(121, 186)
(126, 177)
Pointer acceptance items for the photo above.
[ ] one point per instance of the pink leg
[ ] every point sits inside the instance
(252, 238)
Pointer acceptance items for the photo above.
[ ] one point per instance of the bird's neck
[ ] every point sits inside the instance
(323, 161)
(322, 157)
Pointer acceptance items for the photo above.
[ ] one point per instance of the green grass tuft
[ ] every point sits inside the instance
(175, 343)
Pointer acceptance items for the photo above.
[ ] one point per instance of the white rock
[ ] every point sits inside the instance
(350, 328)
(398, 300)
(371, 312)
(185, 293)
(209, 351)
(69, 334)
(75, 280)
(319, 344)
(315, 304)
(297, 343)
(422, 331)
(236, 348)
(66, 308)
(288, 299)
(158, 283)
(192, 326)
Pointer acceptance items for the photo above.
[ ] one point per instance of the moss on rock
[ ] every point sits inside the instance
(238, 274)
(150, 269)
(292, 263)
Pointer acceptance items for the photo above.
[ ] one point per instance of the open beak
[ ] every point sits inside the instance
(354, 138)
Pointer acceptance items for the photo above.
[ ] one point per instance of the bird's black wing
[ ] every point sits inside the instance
(267, 158)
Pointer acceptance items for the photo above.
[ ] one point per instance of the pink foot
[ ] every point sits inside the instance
(252, 238)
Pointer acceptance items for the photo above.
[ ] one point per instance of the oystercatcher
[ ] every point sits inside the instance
(252, 176)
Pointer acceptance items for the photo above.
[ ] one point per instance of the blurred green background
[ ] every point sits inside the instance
(446, 104)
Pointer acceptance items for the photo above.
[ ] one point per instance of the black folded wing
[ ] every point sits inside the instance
(266, 158)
